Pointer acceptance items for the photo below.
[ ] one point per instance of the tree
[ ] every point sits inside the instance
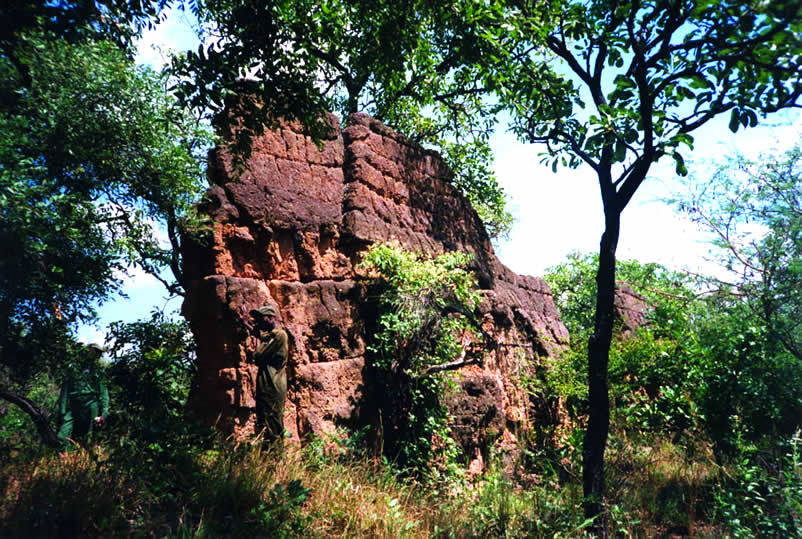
(418, 66)
(119, 21)
(94, 158)
(753, 209)
(652, 368)
(652, 73)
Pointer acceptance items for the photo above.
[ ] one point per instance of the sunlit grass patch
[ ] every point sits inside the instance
(657, 486)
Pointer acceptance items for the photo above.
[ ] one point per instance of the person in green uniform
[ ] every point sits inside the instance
(84, 400)
(271, 380)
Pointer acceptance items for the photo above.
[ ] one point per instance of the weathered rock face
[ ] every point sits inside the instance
(291, 229)
(630, 308)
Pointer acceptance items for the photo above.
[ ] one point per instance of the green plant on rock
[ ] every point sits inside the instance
(425, 328)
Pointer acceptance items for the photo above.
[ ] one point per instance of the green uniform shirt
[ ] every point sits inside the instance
(84, 390)
(271, 358)
(83, 397)
(272, 349)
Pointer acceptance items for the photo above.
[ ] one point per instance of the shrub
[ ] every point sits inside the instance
(761, 495)
(426, 319)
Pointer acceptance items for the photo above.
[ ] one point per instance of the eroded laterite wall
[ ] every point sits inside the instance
(291, 229)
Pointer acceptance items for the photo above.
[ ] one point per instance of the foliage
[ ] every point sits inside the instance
(92, 155)
(671, 374)
(223, 491)
(573, 285)
(154, 468)
(659, 488)
(762, 495)
(61, 497)
(502, 509)
(753, 209)
(420, 67)
(476, 180)
(239, 497)
(16, 430)
(749, 386)
(750, 333)
(153, 362)
(95, 159)
(425, 321)
(119, 21)
(658, 359)
(654, 72)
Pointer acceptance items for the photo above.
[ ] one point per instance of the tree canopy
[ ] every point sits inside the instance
(421, 67)
(95, 158)
(753, 209)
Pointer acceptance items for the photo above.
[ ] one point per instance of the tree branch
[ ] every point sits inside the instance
(40, 418)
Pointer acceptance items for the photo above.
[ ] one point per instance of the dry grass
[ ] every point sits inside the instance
(61, 495)
(237, 491)
(355, 498)
(663, 488)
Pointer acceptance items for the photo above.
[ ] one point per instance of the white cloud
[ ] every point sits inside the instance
(175, 34)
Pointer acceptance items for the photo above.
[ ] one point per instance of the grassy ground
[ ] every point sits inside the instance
(658, 489)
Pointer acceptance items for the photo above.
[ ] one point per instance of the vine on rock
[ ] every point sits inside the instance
(425, 328)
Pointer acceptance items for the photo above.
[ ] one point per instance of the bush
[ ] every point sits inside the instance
(426, 318)
(652, 371)
(748, 387)
(761, 495)
(153, 362)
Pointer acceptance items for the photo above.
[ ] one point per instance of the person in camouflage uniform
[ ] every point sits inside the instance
(84, 400)
(271, 380)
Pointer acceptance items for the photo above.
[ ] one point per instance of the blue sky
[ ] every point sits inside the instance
(555, 214)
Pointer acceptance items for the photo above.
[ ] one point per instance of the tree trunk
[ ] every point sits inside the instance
(598, 357)
(40, 418)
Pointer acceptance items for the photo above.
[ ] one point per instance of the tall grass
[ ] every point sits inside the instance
(238, 490)
(656, 488)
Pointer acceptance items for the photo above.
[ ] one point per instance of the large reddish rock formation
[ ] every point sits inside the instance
(291, 229)
(630, 308)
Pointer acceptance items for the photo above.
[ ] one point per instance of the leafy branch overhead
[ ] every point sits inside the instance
(420, 67)
(646, 75)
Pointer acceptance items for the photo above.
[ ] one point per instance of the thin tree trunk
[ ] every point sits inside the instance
(40, 418)
(598, 357)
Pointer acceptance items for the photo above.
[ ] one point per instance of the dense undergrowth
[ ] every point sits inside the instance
(704, 442)
(328, 490)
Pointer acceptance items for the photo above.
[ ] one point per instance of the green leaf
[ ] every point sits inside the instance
(680, 168)
(734, 120)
